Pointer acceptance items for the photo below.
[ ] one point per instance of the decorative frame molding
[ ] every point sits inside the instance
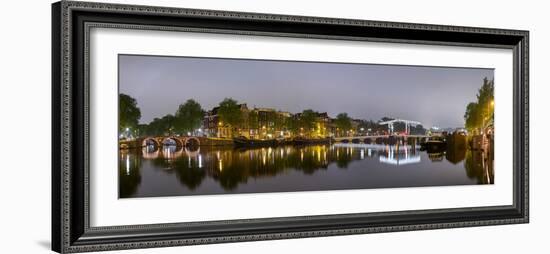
(71, 22)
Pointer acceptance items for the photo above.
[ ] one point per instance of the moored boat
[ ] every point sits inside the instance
(310, 141)
(434, 144)
(246, 142)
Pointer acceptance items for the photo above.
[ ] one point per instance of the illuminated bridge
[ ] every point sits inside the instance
(381, 139)
(407, 123)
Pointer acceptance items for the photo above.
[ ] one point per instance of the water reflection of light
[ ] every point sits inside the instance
(362, 154)
(188, 152)
(220, 165)
(264, 156)
(127, 164)
(170, 152)
(392, 156)
(369, 152)
(150, 152)
(319, 155)
(200, 161)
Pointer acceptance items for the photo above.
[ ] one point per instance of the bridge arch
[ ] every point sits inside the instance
(150, 141)
(176, 140)
(192, 142)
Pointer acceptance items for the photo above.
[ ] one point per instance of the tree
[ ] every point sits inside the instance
(128, 112)
(293, 125)
(188, 117)
(479, 114)
(161, 126)
(230, 113)
(308, 118)
(472, 117)
(485, 99)
(343, 122)
(417, 130)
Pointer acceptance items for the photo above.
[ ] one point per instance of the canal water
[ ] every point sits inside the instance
(173, 171)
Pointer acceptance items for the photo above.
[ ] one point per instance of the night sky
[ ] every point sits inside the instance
(431, 95)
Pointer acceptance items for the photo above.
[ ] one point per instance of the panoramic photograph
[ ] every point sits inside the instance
(210, 126)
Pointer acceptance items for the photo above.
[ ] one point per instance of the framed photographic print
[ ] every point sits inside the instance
(181, 126)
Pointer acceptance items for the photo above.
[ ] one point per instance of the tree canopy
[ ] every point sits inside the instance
(343, 122)
(308, 118)
(128, 112)
(230, 113)
(161, 126)
(188, 117)
(480, 113)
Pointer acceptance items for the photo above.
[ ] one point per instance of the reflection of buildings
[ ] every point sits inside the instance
(479, 165)
(231, 167)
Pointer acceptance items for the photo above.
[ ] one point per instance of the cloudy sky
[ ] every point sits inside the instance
(431, 95)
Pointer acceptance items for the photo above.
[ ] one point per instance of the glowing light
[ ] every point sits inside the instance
(127, 164)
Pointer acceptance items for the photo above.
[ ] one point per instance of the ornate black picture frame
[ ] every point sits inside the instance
(71, 231)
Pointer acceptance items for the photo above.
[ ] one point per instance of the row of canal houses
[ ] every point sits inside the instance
(269, 125)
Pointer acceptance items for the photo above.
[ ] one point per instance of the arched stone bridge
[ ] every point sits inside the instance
(178, 141)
